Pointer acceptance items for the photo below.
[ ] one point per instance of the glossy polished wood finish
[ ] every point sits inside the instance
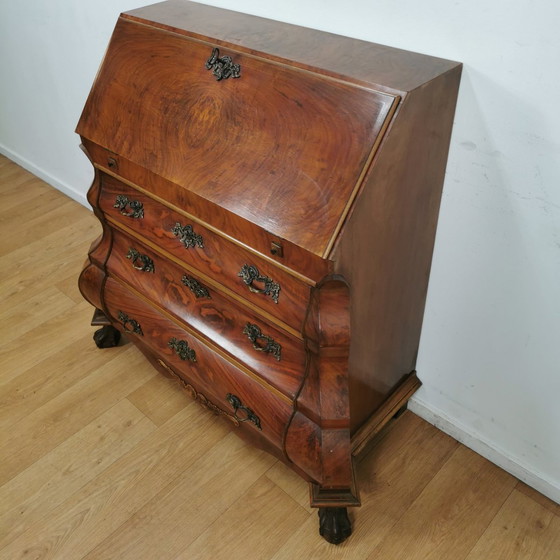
(267, 238)
(210, 373)
(303, 264)
(302, 135)
(359, 62)
(216, 258)
(214, 316)
(392, 230)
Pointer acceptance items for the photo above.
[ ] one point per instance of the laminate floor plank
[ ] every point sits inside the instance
(538, 497)
(54, 374)
(452, 512)
(159, 399)
(291, 483)
(17, 187)
(233, 535)
(94, 513)
(47, 260)
(53, 216)
(61, 417)
(212, 484)
(17, 320)
(5, 163)
(69, 287)
(43, 341)
(522, 530)
(40, 200)
(26, 197)
(35, 492)
(391, 476)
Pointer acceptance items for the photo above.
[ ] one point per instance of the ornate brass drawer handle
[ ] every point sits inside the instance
(222, 67)
(136, 207)
(195, 287)
(182, 349)
(130, 325)
(140, 261)
(247, 416)
(254, 334)
(250, 274)
(187, 236)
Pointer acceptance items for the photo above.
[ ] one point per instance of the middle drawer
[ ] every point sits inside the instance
(273, 354)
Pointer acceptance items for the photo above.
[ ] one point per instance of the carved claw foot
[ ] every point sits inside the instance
(334, 524)
(107, 337)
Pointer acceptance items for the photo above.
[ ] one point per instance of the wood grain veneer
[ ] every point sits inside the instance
(302, 191)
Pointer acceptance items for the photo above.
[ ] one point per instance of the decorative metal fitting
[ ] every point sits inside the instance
(222, 67)
(199, 397)
(195, 287)
(249, 415)
(129, 325)
(254, 334)
(187, 236)
(136, 207)
(146, 263)
(182, 349)
(250, 274)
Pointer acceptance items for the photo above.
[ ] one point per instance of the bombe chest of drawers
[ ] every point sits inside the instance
(269, 197)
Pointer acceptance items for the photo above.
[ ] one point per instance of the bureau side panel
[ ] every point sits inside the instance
(385, 248)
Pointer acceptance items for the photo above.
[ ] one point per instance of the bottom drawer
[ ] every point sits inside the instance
(246, 399)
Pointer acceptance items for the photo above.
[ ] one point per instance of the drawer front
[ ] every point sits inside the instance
(254, 279)
(254, 405)
(276, 356)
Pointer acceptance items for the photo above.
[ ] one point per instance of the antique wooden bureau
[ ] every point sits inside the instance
(269, 198)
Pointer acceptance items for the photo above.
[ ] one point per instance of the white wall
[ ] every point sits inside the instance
(49, 54)
(490, 350)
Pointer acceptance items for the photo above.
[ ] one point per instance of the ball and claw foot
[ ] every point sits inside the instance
(107, 337)
(334, 524)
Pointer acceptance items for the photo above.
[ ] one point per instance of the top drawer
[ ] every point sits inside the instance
(284, 148)
(221, 261)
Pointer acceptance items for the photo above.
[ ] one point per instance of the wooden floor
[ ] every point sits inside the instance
(101, 458)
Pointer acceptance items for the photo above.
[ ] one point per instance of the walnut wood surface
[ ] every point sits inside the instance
(323, 417)
(216, 317)
(294, 259)
(385, 248)
(338, 161)
(275, 139)
(378, 66)
(218, 258)
(210, 373)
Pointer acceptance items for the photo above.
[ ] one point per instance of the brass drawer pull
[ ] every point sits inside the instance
(140, 261)
(195, 287)
(247, 416)
(254, 334)
(187, 236)
(130, 325)
(250, 274)
(182, 349)
(136, 207)
(222, 67)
